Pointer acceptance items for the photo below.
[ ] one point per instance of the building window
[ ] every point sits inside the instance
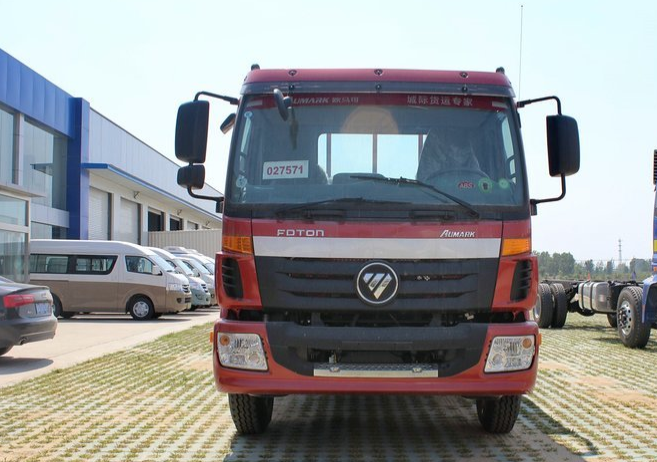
(6, 147)
(44, 166)
(13, 255)
(192, 225)
(44, 231)
(13, 211)
(175, 224)
(155, 221)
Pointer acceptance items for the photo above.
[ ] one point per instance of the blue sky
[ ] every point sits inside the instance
(136, 61)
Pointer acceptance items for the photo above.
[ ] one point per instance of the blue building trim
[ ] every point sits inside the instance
(139, 181)
(77, 178)
(25, 91)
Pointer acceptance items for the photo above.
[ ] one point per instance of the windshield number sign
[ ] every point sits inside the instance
(288, 169)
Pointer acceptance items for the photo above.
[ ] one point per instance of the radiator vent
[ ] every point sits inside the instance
(522, 280)
(231, 278)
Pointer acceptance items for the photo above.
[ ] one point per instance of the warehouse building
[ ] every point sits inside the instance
(67, 172)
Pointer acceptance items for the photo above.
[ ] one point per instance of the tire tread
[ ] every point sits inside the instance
(251, 414)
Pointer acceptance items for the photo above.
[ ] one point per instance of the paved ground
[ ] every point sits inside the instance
(595, 401)
(89, 336)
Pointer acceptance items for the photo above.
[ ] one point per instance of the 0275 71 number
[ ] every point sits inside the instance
(288, 169)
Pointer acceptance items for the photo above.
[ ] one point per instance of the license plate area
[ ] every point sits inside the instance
(42, 308)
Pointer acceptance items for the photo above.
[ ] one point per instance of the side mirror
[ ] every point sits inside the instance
(563, 145)
(156, 271)
(227, 124)
(191, 176)
(192, 131)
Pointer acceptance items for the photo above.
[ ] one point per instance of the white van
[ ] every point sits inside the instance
(107, 276)
(202, 272)
(200, 292)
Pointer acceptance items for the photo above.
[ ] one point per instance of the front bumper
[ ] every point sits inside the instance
(177, 301)
(471, 381)
(201, 298)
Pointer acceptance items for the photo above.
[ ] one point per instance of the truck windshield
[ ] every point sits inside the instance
(333, 148)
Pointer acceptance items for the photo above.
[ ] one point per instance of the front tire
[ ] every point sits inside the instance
(499, 415)
(544, 308)
(251, 414)
(141, 308)
(632, 331)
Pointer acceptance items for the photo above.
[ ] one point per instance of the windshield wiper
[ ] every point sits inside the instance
(408, 181)
(311, 210)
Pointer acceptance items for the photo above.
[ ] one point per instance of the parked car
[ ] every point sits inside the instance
(26, 314)
(200, 292)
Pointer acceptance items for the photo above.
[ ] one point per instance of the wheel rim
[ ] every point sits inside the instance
(141, 309)
(625, 318)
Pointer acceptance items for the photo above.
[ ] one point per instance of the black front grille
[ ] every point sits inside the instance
(330, 284)
(231, 278)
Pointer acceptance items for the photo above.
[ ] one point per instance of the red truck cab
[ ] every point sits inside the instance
(376, 238)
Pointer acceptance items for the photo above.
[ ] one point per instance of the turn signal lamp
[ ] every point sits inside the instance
(516, 246)
(239, 244)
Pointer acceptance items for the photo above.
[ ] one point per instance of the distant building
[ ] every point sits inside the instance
(67, 172)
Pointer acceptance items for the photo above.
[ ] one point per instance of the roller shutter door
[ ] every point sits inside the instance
(99, 214)
(128, 229)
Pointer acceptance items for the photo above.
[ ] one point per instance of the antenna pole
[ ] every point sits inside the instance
(520, 53)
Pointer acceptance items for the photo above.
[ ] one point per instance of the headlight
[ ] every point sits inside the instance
(510, 354)
(196, 286)
(174, 287)
(241, 351)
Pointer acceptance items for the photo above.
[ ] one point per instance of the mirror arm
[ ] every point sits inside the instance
(527, 102)
(230, 99)
(218, 199)
(534, 202)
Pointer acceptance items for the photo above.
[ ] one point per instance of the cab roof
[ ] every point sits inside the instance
(377, 80)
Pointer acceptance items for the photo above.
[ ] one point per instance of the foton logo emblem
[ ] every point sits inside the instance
(299, 233)
(458, 234)
(377, 283)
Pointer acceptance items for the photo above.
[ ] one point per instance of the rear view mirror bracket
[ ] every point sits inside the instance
(563, 147)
